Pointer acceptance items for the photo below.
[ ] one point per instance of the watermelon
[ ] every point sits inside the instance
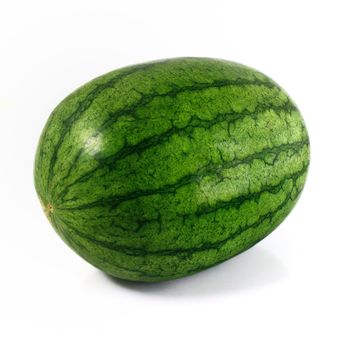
(160, 170)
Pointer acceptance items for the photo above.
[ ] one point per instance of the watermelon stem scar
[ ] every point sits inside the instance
(48, 210)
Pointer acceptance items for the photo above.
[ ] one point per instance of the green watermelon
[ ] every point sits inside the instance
(160, 170)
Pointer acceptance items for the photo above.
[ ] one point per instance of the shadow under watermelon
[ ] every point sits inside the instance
(252, 269)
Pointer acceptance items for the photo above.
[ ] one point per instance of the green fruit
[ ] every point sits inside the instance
(160, 170)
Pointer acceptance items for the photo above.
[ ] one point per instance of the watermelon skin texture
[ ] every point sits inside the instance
(160, 170)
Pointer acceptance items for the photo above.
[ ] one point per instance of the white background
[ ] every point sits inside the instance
(291, 291)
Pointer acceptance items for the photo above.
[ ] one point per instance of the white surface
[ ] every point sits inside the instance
(291, 291)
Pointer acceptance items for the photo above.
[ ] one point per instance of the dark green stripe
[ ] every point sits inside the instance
(210, 169)
(193, 123)
(236, 203)
(180, 253)
(72, 242)
(155, 140)
(194, 87)
(82, 107)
